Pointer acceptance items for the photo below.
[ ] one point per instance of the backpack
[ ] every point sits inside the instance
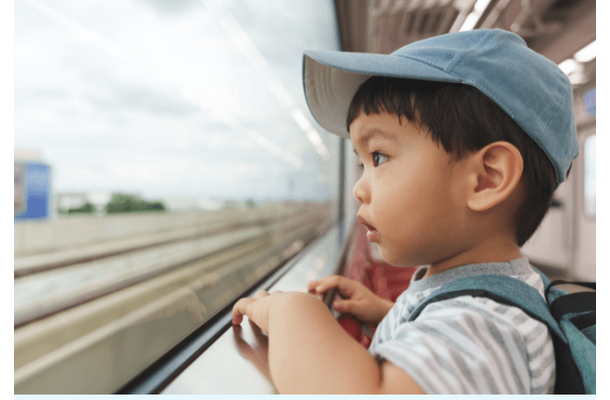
(569, 317)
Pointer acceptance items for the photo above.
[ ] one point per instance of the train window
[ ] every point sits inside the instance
(175, 164)
(589, 178)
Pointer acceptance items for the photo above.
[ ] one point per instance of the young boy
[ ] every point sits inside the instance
(463, 139)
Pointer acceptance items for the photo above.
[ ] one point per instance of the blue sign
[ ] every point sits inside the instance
(32, 190)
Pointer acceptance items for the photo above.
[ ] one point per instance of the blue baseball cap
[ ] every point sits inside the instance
(531, 89)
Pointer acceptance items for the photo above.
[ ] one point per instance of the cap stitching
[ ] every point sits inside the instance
(423, 61)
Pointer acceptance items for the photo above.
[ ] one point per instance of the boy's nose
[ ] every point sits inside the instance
(361, 193)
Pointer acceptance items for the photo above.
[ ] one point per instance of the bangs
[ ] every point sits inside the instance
(392, 95)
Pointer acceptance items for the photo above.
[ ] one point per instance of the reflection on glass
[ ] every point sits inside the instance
(172, 99)
(589, 179)
(185, 167)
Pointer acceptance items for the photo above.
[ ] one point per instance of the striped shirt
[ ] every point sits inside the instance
(468, 344)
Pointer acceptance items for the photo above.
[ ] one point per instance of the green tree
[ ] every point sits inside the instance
(124, 203)
(86, 208)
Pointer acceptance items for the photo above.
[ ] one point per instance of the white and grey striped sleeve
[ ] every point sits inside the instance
(472, 345)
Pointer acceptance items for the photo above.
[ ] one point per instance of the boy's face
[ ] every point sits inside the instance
(409, 192)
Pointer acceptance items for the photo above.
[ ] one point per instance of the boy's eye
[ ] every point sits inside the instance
(379, 158)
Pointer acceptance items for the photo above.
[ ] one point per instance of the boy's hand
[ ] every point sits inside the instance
(256, 308)
(356, 299)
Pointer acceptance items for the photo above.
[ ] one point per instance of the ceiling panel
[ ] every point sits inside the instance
(555, 28)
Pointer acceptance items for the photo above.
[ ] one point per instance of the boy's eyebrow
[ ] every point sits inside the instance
(367, 136)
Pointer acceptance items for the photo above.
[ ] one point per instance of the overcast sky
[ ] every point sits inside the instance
(173, 98)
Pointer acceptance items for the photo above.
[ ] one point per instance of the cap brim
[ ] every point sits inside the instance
(331, 79)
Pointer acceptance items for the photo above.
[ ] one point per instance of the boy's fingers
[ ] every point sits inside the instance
(311, 286)
(241, 307)
(314, 286)
(260, 294)
(239, 310)
(343, 305)
(328, 283)
(346, 290)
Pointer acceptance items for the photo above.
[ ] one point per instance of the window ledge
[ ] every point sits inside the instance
(236, 363)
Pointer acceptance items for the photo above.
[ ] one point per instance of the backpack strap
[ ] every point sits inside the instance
(500, 288)
(563, 303)
(590, 285)
(513, 292)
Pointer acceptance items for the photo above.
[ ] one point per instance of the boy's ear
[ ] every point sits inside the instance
(495, 172)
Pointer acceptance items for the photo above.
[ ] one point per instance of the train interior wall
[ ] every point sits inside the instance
(565, 244)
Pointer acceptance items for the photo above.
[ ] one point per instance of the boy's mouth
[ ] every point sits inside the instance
(372, 234)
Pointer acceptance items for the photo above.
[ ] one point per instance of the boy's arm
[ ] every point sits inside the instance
(309, 352)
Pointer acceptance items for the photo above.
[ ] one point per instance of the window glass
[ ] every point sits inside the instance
(165, 160)
(589, 180)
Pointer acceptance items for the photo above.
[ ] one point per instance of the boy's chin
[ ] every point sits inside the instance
(378, 253)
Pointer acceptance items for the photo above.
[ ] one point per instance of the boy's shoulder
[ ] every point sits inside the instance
(479, 331)
(519, 268)
(422, 288)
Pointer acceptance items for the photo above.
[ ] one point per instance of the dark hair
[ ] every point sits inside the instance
(461, 119)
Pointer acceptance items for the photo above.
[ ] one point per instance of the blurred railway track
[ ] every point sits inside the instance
(68, 314)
